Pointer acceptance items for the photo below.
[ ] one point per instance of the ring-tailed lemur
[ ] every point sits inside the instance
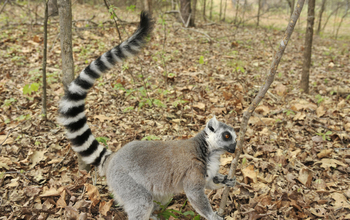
(142, 172)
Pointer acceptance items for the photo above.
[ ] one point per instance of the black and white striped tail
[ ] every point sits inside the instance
(71, 108)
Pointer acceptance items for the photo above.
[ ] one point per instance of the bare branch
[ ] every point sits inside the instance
(259, 97)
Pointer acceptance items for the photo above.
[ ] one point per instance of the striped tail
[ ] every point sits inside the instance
(72, 105)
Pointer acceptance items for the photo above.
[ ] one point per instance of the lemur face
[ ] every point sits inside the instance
(221, 137)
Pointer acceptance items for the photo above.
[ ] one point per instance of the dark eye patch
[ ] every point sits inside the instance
(226, 136)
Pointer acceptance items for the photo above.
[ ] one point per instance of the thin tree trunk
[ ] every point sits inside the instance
(65, 15)
(44, 112)
(3, 6)
(257, 100)
(335, 19)
(185, 9)
(244, 8)
(258, 17)
(304, 82)
(220, 10)
(148, 6)
(236, 16)
(320, 16)
(211, 10)
(204, 5)
(291, 4)
(193, 12)
(341, 21)
(225, 10)
(329, 16)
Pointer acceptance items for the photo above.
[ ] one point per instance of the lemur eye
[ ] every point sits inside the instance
(226, 136)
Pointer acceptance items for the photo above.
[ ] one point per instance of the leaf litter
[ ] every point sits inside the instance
(295, 163)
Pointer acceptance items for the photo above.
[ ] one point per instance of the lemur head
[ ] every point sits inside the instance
(220, 136)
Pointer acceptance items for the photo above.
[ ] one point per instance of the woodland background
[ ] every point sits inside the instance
(296, 155)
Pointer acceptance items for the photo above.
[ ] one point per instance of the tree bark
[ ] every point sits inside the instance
(44, 97)
(204, 5)
(225, 10)
(258, 98)
(186, 12)
(304, 82)
(53, 8)
(65, 15)
(320, 16)
(211, 10)
(291, 4)
(258, 17)
(193, 16)
(148, 6)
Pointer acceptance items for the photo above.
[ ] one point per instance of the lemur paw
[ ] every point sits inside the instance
(230, 182)
(218, 217)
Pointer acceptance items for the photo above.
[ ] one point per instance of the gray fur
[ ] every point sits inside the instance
(142, 172)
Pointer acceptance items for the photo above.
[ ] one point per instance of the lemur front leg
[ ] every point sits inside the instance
(194, 185)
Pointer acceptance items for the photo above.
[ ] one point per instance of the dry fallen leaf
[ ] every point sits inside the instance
(199, 105)
(36, 157)
(93, 193)
(105, 206)
(340, 201)
(320, 111)
(327, 163)
(301, 104)
(281, 89)
(324, 153)
(263, 110)
(305, 177)
(249, 174)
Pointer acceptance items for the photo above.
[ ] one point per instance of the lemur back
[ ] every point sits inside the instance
(142, 172)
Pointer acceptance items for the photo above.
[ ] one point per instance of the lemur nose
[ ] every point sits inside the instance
(233, 146)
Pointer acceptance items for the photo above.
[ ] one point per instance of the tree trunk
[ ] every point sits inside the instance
(65, 15)
(211, 10)
(44, 101)
(148, 6)
(291, 4)
(341, 21)
(53, 8)
(304, 82)
(258, 17)
(204, 5)
(225, 10)
(220, 10)
(193, 16)
(185, 9)
(320, 16)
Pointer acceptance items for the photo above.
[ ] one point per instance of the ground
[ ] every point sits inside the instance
(296, 156)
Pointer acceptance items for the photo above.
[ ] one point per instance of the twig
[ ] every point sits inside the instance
(205, 34)
(259, 97)
(2, 8)
(113, 16)
(9, 132)
(63, 158)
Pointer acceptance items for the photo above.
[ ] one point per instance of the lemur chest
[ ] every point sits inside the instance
(213, 165)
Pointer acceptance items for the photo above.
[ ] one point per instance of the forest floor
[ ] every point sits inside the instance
(296, 157)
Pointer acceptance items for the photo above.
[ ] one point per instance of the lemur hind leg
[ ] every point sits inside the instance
(137, 201)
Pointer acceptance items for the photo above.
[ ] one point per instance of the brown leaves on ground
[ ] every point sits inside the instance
(295, 163)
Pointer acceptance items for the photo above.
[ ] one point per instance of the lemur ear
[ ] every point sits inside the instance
(213, 124)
